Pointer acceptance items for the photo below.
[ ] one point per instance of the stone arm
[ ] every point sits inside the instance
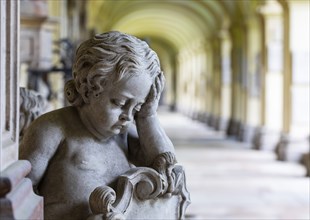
(38, 146)
(148, 143)
(149, 139)
(143, 191)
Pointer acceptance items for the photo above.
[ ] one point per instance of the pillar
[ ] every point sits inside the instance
(17, 200)
(238, 59)
(202, 83)
(217, 79)
(268, 134)
(209, 82)
(251, 118)
(225, 105)
(294, 142)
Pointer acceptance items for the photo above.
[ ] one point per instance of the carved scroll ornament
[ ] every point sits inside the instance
(139, 185)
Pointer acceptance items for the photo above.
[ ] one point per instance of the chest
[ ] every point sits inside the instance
(87, 154)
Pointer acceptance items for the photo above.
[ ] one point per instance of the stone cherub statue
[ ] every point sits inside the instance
(78, 152)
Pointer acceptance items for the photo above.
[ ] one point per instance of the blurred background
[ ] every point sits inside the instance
(236, 102)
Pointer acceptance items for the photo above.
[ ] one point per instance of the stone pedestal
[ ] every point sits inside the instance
(204, 117)
(201, 117)
(265, 139)
(212, 121)
(216, 124)
(229, 131)
(292, 148)
(221, 124)
(195, 115)
(306, 161)
(17, 199)
(187, 112)
(246, 133)
(233, 127)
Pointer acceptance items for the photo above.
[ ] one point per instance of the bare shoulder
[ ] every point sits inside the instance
(51, 126)
(52, 121)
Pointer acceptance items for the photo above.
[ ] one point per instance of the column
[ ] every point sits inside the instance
(225, 109)
(17, 200)
(217, 83)
(254, 48)
(238, 58)
(209, 83)
(268, 135)
(201, 83)
(58, 11)
(294, 142)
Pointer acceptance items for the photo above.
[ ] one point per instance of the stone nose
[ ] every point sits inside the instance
(126, 115)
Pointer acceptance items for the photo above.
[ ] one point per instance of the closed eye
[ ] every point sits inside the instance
(138, 107)
(118, 102)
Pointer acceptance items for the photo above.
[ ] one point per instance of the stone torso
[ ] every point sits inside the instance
(80, 164)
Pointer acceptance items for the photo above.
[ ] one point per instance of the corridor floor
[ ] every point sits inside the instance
(228, 180)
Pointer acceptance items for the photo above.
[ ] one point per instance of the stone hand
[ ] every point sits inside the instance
(150, 106)
(164, 164)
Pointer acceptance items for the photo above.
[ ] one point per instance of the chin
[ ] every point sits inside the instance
(116, 131)
(109, 132)
(119, 129)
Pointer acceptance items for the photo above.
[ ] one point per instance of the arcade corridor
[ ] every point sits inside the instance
(230, 181)
(236, 102)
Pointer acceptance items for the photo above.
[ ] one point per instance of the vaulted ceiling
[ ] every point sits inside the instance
(172, 23)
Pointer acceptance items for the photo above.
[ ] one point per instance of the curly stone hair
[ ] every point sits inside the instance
(106, 59)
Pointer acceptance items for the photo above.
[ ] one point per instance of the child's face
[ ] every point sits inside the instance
(111, 112)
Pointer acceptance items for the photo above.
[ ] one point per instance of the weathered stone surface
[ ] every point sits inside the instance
(290, 148)
(111, 128)
(17, 199)
(142, 193)
(265, 139)
(306, 161)
(246, 133)
(233, 127)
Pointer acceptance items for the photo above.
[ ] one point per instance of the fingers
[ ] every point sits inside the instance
(156, 88)
(162, 80)
(152, 94)
(160, 84)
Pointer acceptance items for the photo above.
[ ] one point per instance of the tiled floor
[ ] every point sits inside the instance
(228, 180)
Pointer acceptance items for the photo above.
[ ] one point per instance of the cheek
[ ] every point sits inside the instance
(104, 113)
(112, 113)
